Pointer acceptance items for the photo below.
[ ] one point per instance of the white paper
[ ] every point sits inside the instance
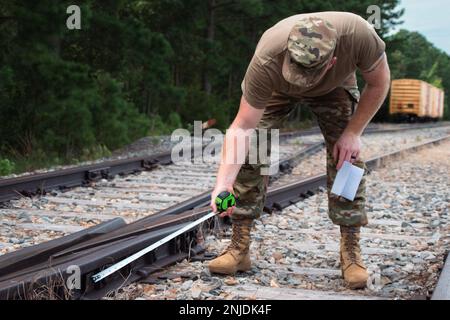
(347, 181)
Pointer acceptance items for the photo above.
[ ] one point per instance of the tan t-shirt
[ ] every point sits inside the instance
(358, 46)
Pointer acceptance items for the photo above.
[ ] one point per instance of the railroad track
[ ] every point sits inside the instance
(124, 196)
(138, 194)
(295, 250)
(63, 179)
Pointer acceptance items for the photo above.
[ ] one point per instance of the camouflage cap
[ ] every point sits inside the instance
(310, 48)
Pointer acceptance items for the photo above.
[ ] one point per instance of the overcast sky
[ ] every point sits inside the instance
(429, 17)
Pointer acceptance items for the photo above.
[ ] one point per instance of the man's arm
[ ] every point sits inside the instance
(373, 95)
(247, 118)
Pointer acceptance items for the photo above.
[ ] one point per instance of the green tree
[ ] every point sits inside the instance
(149, 66)
(52, 103)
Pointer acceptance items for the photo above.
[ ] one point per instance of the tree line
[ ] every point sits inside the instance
(143, 67)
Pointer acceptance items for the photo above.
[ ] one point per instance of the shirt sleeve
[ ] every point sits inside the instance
(257, 84)
(370, 47)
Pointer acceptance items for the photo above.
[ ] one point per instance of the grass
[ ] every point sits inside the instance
(6, 167)
(52, 289)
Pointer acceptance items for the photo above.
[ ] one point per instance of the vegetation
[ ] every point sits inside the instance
(412, 56)
(140, 67)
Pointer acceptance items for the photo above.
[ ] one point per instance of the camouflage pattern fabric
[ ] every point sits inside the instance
(333, 111)
(311, 42)
(310, 48)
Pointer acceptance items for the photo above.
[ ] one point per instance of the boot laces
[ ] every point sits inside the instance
(235, 238)
(351, 243)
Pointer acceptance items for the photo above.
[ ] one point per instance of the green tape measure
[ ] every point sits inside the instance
(225, 200)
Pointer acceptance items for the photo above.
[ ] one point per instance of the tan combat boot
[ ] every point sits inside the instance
(236, 257)
(353, 269)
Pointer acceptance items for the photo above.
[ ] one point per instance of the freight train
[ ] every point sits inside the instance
(415, 101)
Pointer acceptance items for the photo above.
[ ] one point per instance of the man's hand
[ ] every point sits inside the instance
(347, 148)
(377, 85)
(218, 189)
(247, 118)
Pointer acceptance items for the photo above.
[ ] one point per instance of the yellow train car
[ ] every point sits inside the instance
(413, 99)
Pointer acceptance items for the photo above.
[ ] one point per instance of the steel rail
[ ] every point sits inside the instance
(442, 290)
(41, 183)
(372, 128)
(98, 250)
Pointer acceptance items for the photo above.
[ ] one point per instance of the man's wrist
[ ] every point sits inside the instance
(353, 131)
(223, 186)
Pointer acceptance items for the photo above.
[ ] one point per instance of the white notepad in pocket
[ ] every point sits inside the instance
(347, 181)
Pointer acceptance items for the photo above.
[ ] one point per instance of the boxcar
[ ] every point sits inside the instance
(415, 100)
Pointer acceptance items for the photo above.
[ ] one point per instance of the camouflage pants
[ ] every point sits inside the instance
(333, 111)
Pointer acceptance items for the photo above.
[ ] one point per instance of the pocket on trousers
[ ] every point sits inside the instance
(353, 93)
(354, 97)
